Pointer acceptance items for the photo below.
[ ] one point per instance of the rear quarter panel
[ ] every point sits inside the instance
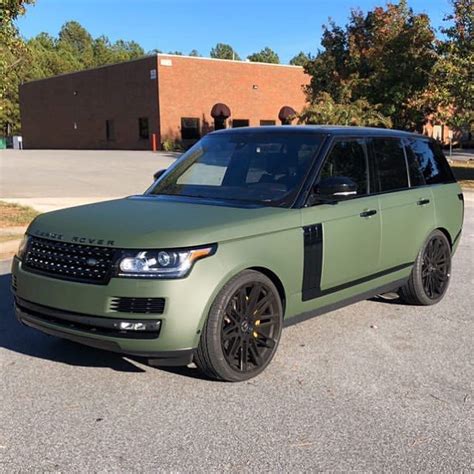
(449, 209)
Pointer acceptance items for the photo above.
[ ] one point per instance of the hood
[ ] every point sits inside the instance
(151, 222)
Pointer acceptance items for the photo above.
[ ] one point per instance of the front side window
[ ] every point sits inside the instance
(255, 167)
(390, 165)
(430, 160)
(347, 158)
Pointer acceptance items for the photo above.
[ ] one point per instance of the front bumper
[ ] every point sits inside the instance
(37, 317)
(84, 312)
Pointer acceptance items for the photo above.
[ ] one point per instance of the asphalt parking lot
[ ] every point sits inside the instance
(50, 179)
(375, 386)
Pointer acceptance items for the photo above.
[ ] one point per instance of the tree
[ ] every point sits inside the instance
(13, 63)
(325, 111)
(75, 39)
(266, 55)
(224, 51)
(384, 57)
(454, 86)
(300, 59)
(194, 53)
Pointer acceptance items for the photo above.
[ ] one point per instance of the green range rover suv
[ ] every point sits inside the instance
(250, 230)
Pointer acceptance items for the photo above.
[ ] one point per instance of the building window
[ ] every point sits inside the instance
(190, 129)
(267, 122)
(143, 130)
(109, 130)
(237, 123)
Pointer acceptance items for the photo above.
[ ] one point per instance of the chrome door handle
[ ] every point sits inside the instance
(422, 202)
(368, 213)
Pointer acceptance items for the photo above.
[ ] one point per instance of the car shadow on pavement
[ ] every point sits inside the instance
(21, 339)
(16, 337)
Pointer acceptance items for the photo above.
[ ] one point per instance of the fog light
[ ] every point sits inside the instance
(139, 325)
(127, 326)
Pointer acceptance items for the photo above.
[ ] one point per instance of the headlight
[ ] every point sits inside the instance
(20, 253)
(161, 263)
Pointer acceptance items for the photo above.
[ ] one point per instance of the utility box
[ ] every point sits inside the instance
(17, 143)
(3, 143)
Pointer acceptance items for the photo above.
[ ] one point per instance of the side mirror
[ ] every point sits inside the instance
(158, 174)
(337, 187)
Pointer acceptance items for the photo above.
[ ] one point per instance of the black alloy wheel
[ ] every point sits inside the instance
(435, 268)
(250, 327)
(243, 329)
(429, 278)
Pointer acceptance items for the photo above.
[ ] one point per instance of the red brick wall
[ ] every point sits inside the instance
(191, 86)
(122, 92)
(53, 116)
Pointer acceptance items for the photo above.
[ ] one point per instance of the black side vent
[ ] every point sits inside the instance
(313, 258)
(14, 287)
(138, 305)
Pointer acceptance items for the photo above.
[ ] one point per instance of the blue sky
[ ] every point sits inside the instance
(287, 26)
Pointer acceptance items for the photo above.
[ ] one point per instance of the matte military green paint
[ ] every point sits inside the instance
(272, 238)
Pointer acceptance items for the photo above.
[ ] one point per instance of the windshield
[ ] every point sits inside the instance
(266, 168)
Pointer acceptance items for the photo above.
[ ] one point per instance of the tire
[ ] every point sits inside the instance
(243, 329)
(431, 272)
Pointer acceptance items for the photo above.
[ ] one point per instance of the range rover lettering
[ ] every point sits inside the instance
(248, 231)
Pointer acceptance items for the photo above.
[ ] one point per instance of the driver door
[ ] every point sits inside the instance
(342, 240)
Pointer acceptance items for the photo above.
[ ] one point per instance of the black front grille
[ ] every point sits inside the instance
(85, 263)
(138, 305)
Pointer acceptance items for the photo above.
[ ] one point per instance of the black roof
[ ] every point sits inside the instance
(326, 129)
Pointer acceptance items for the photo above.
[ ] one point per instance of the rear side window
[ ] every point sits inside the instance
(390, 165)
(347, 158)
(430, 160)
(414, 166)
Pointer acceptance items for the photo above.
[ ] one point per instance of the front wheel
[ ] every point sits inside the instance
(243, 329)
(431, 272)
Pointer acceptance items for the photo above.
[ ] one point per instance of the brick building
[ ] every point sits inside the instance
(160, 97)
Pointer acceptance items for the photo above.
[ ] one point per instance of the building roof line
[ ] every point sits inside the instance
(160, 55)
(79, 71)
(239, 61)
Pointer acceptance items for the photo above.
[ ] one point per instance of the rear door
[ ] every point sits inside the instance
(407, 213)
(341, 241)
(431, 174)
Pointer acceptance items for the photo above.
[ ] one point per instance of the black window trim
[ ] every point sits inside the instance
(326, 147)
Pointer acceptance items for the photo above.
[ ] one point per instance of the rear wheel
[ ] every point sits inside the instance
(243, 329)
(430, 276)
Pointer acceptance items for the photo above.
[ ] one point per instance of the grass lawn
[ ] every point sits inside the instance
(14, 215)
(464, 173)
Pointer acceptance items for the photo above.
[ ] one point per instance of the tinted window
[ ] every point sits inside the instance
(390, 165)
(256, 167)
(414, 167)
(430, 160)
(347, 158)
